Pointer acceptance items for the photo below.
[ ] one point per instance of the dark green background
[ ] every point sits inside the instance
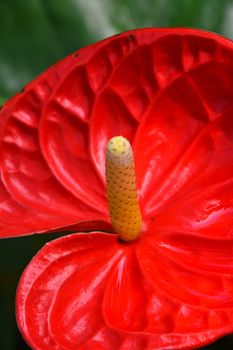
(34, 34)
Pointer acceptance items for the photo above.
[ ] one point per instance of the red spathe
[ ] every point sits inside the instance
(88, 291)
(170, 92)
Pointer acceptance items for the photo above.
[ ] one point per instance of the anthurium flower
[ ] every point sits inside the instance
(159, 274)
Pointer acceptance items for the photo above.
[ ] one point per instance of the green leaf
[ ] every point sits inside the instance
(2, 100)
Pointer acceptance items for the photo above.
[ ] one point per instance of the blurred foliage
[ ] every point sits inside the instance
(34, 34)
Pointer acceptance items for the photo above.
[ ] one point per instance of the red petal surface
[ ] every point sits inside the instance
(67, 119)
(170, 92)
(172, 101)
(32, 200)
(16, 219)
(87, 291)
(60, 275)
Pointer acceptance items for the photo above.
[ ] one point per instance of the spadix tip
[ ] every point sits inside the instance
(119, 150)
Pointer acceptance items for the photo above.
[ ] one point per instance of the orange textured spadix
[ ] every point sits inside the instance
(121, 189)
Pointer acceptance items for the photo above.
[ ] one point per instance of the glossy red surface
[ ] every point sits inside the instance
(170, 92)
(164, 291)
